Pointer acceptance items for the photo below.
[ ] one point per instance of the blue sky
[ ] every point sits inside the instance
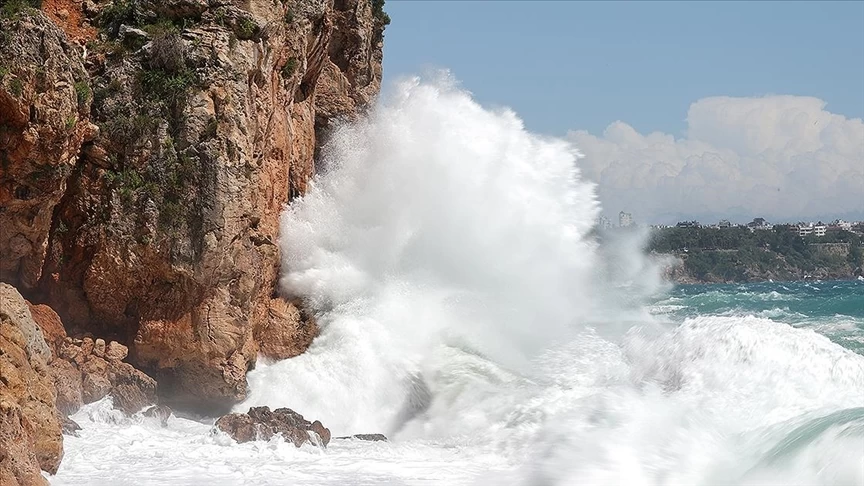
(582, 65)
(757, 107)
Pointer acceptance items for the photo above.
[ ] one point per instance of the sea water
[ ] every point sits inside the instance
(467, 312)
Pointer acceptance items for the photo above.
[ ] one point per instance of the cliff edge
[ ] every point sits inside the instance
(146, 151)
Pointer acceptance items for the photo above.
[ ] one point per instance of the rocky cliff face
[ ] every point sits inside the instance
(30, 437)
(143, 173)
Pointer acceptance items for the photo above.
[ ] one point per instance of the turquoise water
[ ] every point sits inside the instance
(828, 440)
(834, 309)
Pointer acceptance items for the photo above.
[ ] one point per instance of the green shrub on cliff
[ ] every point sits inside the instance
(16, 87)
(246, 29)
(118, 13)
(83, 93)
(288, 69)
(167, 86)
(13, 8)
(165, 79)
(379, 13)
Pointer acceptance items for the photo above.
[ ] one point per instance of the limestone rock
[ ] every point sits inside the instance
(30, 427)
(68, 384)
(131, 389)
(43, 126)
(15, 310)
(116, 351)
(99, 348)
(261, 424)
(18, 463)
(70, 427)
(164, 239)
(285, 332)
(95, 383)
(51, 326)
(87, 370)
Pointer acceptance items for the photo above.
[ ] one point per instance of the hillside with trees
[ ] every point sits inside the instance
(739, 254)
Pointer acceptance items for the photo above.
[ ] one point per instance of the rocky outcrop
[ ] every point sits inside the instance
(153, 220)
(86, 370)
(262, 424)
(367, 437)
(42, 382)
(161, 412)
(44, 107)
(30, 431)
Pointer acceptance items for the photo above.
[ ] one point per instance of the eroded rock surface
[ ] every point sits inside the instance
(44, 110)
(86, 370)
(144, 174)
(262, 424)
(30, 433)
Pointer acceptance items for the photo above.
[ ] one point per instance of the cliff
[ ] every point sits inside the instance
(30, 437)
(146, 150)
(760, 265)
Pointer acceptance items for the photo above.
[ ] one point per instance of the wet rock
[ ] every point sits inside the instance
(95, 383)
(162, 412)
(243, 428)
(261, 424)
(369, 437)
(82, 376)
(69, 426)
(323, 432)
(68, 384)
(286, 332)
(132, 389)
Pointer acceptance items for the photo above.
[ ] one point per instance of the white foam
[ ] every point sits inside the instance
(466, 313)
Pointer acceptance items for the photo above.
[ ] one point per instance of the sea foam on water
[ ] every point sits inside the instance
(467, 312)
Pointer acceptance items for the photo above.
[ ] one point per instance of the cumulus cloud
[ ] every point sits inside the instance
(784, 158)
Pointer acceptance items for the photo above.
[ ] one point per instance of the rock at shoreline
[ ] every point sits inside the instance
(70, 427)
(86, 370)
(368, 437)
(142, 186)
(162, 412)
(30, 435)
(262, 424)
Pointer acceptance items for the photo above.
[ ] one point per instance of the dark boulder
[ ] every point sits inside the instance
(369, 437)
(162, 412)
(260, 423)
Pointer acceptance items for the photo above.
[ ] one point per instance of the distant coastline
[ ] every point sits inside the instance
(742, 255)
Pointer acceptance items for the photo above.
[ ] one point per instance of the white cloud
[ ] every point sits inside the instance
(780, 157)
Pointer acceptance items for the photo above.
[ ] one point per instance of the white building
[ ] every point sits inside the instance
(625, 219)
(819, 230)
(843, 225)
